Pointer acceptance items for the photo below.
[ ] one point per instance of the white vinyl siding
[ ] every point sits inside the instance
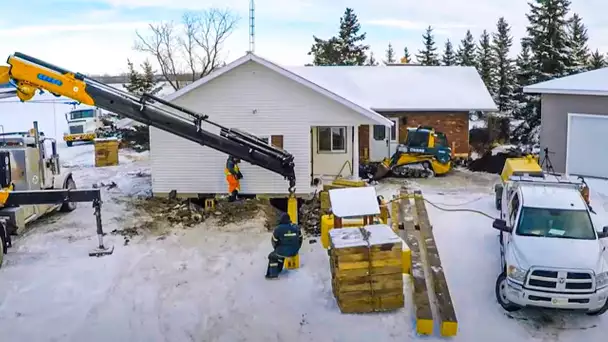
(260, 101)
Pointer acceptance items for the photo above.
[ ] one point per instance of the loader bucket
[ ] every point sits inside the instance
(381, 171)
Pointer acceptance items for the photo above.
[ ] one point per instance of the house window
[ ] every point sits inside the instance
(272, 140)
(379, 132)
(331, 139)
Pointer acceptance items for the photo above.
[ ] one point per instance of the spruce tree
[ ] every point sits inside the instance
(505, 68)
(597, 60)
(485, 62)
(135, 83)
(548, 38)
(345, 49)
(578, 38)
(390, 54)
(353, 51)
(372, 60)
(148, 80)
(428, 56)
(449, 58)
(465, 56)
(527, 105)
(406, 56)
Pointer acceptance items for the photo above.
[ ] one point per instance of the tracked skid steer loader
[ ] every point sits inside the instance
(425, 153)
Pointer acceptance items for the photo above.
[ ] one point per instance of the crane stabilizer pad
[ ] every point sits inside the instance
(98, 252)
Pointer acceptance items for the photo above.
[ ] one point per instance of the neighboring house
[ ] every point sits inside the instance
(410, 96)
(321, 115)
(574, 116)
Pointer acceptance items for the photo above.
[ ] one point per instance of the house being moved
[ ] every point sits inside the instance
(329, 118)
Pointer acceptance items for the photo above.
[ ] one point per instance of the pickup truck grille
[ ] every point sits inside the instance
(563, 281)
(76, 129)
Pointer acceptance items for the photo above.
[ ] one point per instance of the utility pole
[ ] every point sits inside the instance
(251, 26)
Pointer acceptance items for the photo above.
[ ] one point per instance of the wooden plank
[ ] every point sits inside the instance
(424, 315)
(386, 247)
(352, 265)
(447, 314)
(375, 255)
(361, 272)
(364, 305)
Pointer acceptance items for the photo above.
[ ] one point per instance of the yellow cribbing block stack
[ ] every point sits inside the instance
(324, 197)
(106, 152)
(519, 166)
(366, 269)
(292, 263)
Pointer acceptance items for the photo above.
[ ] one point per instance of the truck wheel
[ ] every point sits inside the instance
(3, 245)
(69, 206)
(501, 294)
(600, 311)
(69, 143)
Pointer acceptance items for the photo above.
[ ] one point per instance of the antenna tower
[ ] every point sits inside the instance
(251, 26)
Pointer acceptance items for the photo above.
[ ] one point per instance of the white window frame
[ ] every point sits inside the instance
(396, 128)
(267, 137)
(331, 140)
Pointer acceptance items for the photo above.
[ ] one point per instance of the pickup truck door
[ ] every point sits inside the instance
(513, 206)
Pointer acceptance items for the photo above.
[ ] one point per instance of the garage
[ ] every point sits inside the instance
(586, 150)
(574, 121)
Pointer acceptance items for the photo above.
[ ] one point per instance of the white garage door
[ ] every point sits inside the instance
(587, 154)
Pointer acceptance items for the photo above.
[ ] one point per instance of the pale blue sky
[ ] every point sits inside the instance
(96, 36)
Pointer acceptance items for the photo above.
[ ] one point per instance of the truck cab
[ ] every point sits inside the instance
(82, 125)
(552, 254)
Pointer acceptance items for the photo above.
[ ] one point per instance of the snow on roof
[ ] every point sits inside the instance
(408, 88)
(365, 111)
(587, 83)
(551, 196)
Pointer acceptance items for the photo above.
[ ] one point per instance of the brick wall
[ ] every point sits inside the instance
(454, 125)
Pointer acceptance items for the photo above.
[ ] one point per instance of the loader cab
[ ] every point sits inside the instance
(425, 137)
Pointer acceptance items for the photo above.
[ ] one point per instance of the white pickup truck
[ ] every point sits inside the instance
(552, 254)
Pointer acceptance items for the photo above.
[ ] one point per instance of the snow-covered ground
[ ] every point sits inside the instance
(202, 284)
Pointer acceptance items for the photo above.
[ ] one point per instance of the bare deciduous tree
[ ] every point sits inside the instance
(193, 47)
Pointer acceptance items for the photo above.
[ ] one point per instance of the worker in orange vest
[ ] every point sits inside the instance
(233, 177)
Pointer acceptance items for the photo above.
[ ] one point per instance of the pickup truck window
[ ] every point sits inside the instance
(555, 223)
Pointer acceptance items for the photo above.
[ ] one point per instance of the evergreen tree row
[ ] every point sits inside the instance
(555, 45)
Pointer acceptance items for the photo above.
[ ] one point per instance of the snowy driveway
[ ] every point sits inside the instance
(207, 285)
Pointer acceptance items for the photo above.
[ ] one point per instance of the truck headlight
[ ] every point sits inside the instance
(601, 280)
(515, 273)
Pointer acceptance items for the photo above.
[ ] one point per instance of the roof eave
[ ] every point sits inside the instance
(558, 91)
(433, 109)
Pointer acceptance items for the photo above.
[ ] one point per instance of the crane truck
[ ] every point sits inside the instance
(30, 75)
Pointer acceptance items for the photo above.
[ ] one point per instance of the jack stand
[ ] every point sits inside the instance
(292, 208)
(101, 250)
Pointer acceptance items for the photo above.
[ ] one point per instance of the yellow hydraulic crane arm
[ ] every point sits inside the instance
(28, 78)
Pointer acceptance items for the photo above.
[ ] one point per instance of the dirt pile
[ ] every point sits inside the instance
(309, 216)
(493, 163)
(188, 213)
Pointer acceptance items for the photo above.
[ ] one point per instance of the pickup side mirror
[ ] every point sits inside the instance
(501, 225)
(603, 234)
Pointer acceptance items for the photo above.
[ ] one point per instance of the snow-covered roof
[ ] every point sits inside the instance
(593, 82)
(404, 88)
(354, 105)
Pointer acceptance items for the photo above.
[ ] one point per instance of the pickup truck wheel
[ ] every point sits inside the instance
(69, 143)
(600, 311)
(69, 206)
(3, 244)
(501, 294)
